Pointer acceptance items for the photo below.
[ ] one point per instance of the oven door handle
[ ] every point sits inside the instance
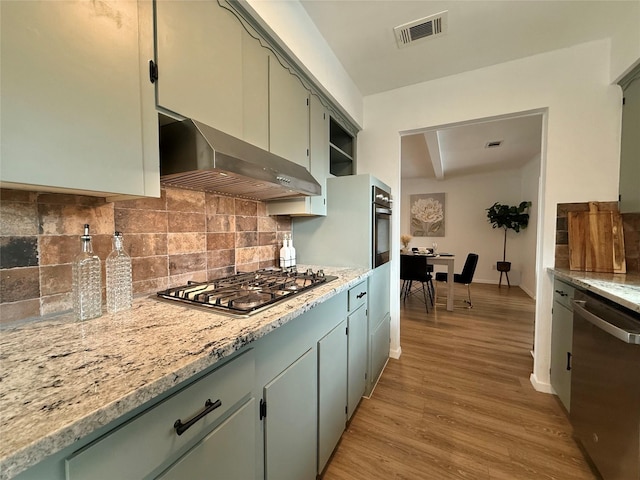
(619, 333)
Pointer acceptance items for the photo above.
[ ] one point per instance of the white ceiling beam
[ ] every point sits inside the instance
(433, 145)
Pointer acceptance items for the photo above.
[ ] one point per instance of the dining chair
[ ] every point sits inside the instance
(465, 277)
(414, 268)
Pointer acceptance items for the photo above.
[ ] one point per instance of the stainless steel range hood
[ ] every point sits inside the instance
(198, 157)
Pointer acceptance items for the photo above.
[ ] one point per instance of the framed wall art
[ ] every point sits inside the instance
(427, 215)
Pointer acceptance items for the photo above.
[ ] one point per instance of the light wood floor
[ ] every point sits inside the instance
(458, 404)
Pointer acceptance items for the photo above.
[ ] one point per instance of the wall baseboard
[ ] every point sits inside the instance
(540, 386)
(395, 353)
(526, 290)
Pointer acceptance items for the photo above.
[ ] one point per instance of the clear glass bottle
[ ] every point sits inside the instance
(87, 281)
(119, 284)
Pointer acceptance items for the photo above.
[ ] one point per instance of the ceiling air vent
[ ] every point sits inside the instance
(493, 144)
(423, 28)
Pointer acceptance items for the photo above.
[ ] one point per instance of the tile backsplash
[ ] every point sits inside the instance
(630, 225)
(183, 235)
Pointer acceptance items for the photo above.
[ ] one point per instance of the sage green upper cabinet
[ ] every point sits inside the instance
(318, 163)
(199, 57)
(288, 114)
(630, 147)
(78, 111)
(255, 94)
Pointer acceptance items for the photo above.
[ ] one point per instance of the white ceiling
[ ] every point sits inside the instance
(480, 34)
(462, 149)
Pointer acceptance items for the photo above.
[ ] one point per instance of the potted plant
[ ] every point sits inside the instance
(508, 218)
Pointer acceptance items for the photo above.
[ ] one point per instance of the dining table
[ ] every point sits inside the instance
(442, 259)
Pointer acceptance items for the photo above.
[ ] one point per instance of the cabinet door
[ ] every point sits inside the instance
(73, 98)
(357, 358)
(146, 442)
(291, 421)
(332, 391)
(199, 57)
(630, 145)
(255, 92)
(318, 163)
(379, 350)
(288, 115)
(379, 294)
(561, 340)
(319, 152)
(228, 452)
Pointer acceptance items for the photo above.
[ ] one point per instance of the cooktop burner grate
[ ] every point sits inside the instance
(244, 294)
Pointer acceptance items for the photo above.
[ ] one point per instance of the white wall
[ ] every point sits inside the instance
(466, 226)
(580, 150)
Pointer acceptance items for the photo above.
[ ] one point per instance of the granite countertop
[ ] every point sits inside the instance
(61, 379)
(622, 288)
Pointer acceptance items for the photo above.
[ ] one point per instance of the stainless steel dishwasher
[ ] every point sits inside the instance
(605, 385)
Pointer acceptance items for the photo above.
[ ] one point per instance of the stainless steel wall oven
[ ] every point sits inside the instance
(381, 226)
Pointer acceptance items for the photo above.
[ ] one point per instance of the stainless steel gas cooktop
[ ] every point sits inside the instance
(244, 294)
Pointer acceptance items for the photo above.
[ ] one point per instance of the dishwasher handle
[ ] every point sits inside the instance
(617, 332)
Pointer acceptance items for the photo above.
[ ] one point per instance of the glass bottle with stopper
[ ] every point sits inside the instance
(87, 281)
(119, 284)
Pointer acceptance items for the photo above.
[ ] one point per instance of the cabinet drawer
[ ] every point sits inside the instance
(563, 293)
(142, 444)
(229, 451)
(357, 296)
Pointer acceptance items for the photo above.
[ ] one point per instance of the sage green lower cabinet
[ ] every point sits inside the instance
(356, 358)
(225, 453)
(290, 423)
(284, 402)
(379, 323)
(561, 341)
(379, 348)
(146, 443)
(332, 391)
(357, 324)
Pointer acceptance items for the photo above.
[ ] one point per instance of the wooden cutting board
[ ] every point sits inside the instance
(596, 241)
